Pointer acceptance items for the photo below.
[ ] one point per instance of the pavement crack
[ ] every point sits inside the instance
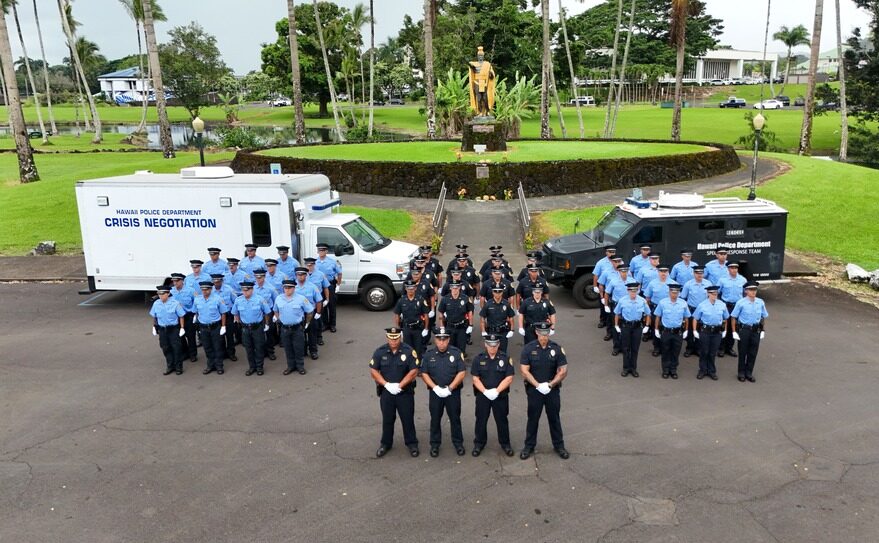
(604, 536)
(760, 523)
(802, 447)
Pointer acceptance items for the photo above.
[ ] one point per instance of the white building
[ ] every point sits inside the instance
(125, 86)
(727, 64)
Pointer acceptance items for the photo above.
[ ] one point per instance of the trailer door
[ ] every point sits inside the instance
(261, 225)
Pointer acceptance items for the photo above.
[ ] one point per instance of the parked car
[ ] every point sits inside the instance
(584, 101)
(343, 97)
(800, 101)
(727, 82)
(281, 102)
(397, 102)
(737, 81)
(716, 82)
(827, 106)
(769, 104)
(785, 100)
(734, 103)
(378, 102)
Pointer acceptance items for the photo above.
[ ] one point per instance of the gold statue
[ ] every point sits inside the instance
(481, 85)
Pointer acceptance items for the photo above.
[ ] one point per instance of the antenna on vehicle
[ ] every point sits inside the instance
(576, 224)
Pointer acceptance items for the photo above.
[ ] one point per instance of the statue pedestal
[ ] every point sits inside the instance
(484, 131)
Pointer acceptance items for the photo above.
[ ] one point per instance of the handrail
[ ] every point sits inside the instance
(440, 209)
(523, 208)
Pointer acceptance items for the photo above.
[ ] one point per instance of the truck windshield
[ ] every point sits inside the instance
(611, 228)
(366, 235)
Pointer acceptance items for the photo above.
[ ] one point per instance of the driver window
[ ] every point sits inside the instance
(332, 237)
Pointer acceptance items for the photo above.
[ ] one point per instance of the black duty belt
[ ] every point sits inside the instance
(709, 328)
(209, 326)
(168, 326)
(414, 325)
(631, 323)
(749, 326)
(461, 324)
(496, 329)
(676, 330)
(252, 326)
(291, 326)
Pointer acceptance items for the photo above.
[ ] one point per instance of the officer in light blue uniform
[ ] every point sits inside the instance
(251, 313)
(251, 260)
(671, 328)
(210, 310)
(167, 314)
(648, 273)
(709, 327)
(613, 293)
(215, 264)
(694, 293)
(629, 321)
(235, 276)
(683, 270)
(286, 263)
(185, 296)
(292, 311)
(228, 295)
(197, 276)
(274, 276)
(731, 291)
(604, 279)
(323, 284)
(266, 291)
(640, 260)
(600, 268)
(333, 270)
(715, 269)
(655, 292)
(748, 318)
(312, 294)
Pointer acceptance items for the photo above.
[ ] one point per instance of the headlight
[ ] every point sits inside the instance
(566, 265)
(401, 268)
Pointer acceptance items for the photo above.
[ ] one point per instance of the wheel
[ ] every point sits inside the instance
(583, 293)
(377, 295)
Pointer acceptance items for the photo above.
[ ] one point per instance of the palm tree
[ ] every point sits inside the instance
(149, 31)
(809, 108)
(574, 93)
(348, 73)
(613, 68)
(332, 88)
(135, 11)
(371, 65)
(792, 37)
(358, 19)
(678, 26)
(298, 114)
(616, 109)
(30, 75)
(45, 72)
(27, 168)
(430, 96)
(843, 105)
(64, 11)
(545, 132)
(557, 102)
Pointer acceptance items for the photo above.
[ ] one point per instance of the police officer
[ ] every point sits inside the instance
(319, 280)
(533, 312)
(443, 371)
(492, 373)
(185, 296)
(608, 275)
(533, 257)
(235, 276)
(497, 280)
(167, 315)
(497, 262)
(485, 269)
(655, 292)
(251, 312)
(394, 367)
(426, 292)
(544, 366)
(709, 327)
(456, 316)
(432, 264)
(286, 263)
(523, 289)
(197, 276)
(251, 260)
(683, 270)
(731, 291)
(210, 313)
(410, 316)
(715, 270)
(293, 313)
(630, 324)
(228, 298)
(274, 276)
(672, 317)
(648, 272)
(468, 275)
(215, 264)
(333, 270)
(496, 317)
(640, 260)
(268, 293)
(694, 293)
(312, 294)
(467, 289)
(613, 293)
(748, 318)
(461, 250)
(609, 253)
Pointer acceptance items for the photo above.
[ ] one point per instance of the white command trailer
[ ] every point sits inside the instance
(138, 229)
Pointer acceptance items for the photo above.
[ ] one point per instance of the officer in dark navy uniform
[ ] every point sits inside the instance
(443, 371)
(496, 317)
(394, 367)
(456, 275)
(492, 373)
(494, 250)
(461, 250)
(497, 262)
(544, 366)
(534, 279)
(497, 279)
(533, 312)
(456, 315)
(533, 260)
(410, 314)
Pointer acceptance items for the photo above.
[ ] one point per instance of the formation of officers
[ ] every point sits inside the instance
(255, 302)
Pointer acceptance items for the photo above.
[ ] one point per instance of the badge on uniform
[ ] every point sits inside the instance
(462, 302)
(500, 363)
(552, 352)
(544, 305)
(403, 357)
(503, 308)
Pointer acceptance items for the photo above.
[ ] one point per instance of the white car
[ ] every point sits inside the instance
(769, 104)
(281, 102)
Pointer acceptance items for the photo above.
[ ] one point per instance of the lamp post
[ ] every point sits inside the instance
(759, 121)
(198, 128)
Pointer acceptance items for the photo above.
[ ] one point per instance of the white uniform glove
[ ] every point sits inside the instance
(484, 334)
(656, 333)
(316, 316)
(424, 333)
(393, 388)
(509, 334)
(490, 393)
(154, 331)
(438, 390)
(275, 318)
(723, 335)
(222, 330)
(762, 334)
(265, 328)
(617, 328)
(695, 334)
(468, 330)
(606, 308)
(595, 290)
(544, 388)
(735, 336)
(645, 330)
(521, 331)
(447, 392)
(195, 318)
(686, 332)
(552, 331)
(432, 314)
(182, 332)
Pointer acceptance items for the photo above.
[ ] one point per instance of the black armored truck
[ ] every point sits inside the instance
(753, 230)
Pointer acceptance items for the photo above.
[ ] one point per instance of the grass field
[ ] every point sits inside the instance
(751, 93)
(424, 151)
(392, 223)
(831, 205)
(71, 143)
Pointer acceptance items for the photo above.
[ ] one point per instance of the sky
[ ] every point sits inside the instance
(241, 27)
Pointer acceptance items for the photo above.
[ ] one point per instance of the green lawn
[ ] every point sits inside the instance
(522, 151)
(392, 223)
(832, 209)
(751, 93)
(46, 209)
(71, 143)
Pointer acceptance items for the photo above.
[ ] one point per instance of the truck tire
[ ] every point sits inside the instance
(583, 293)
(377, 295)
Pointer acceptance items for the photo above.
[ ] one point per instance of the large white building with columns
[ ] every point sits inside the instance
(727, 64)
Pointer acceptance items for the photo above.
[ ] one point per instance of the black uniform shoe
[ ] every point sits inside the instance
(720, 354)
(665, 376)
(168, 372)
(221, 372)
(382, 451)
(687, 354)
(476, 451)
(563, 454)
(713, 376)
(624, 373)
(333, 329)
(249, 373)
(319, 342)
(526, 453)
(507, 450)
(302, 371)
(288, 371)
(207, 371)
(741, 378)
(272, 356)
(635, 373)
(460, 450)
(233, 358)
(434, 452)
(700, 375)
(655, 353)
(194, 359)
(645, 338)
(607, 337)
(615, 352)
(314, 356)
(600, 324)
(413, 452)
(260, 372)
(751, 379)
(732, 352)
(674, 375)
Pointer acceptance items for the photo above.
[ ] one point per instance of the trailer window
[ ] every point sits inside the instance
(760, 223)
(261, 228)
(711, 225)
(648, 234)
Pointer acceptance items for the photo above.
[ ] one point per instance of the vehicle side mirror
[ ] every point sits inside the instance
(343, 249)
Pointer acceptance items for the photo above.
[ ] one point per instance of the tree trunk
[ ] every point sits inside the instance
(786, 71)
(71, 40)
(679, 83)
(843, 104)
(298, 113)
(574, 93)
(558, 104)
(430, 96)
(616, 109)
(371, 66)
(144, 92)
(323, 48)
(27, 168)
(545, 132)
(5, 97)
(613, 68)
(156, 69)
(809, 108)
(45, 72)
(30, 75)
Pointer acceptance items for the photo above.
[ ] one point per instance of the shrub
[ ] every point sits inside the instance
(238, 136)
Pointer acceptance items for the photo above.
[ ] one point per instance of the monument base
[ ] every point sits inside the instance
(484, 131)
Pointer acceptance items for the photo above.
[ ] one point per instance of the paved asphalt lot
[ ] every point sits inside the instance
(97, 446)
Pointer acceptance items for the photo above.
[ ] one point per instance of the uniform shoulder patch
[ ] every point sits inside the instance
(414, 354)
(563, 351)
(371, 362)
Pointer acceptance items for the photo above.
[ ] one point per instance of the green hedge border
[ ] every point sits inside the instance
(548, 178)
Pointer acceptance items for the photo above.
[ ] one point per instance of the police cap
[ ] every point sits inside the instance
(322, 246)
(213, 250)
(610, 249)
(686, 252)
(250, 245)
(246, 284)
(498, 288)
(751, 285)
(288, 283)
(492, 340)
(722, 249)
(462, 256)
(654, 255)
(441, 332)
(393, 332)
(542, 328)
(271, 262)
(698, 269)
(662, 267)
(216, 277)
(232, 260)
(623, 267)
(617, 259)
(309, 260)
(178, 276)
(282, 248)
(634, 285)
(195, 262)
(732, 265)
(259, 272)
(205, 285)
(462, 247)
(495, 248)
(675, 287)
(409, 283)
(163, 289)
(533, 267)
(300, 269)
(454, 284)
(712, 289)
(645, 246)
